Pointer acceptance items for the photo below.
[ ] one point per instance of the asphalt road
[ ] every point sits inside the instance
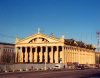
(87, 73)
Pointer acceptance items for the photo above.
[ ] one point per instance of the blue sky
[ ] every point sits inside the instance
(77, 19)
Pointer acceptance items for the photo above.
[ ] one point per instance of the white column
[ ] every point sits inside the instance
(31, 55)
(35, 55)
(21, 55)
(41, 54)
(78, 56)
(69, 55)
(90, 57)
(65, 55)
(51, 55)
(56, 55)
(26, 55)
(93, 58)
(46, 54)
(72, 54)
(16, 58)
(75, 55)
(85, 56)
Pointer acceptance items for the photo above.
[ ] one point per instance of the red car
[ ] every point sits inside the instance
(79, 67)
(76, 67)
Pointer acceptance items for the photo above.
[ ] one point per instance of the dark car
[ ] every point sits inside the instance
(79, 67)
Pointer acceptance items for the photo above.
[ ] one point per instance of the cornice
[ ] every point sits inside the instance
(36, 35)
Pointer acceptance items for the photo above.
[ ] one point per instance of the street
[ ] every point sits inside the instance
(87, 73)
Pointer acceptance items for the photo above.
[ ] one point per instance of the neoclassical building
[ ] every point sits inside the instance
(40, 48)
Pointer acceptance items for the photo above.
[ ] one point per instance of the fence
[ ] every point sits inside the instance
(22, 67)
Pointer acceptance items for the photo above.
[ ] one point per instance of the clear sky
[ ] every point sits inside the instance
(77, 19)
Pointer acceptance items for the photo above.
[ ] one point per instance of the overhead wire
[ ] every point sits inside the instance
(7, 36)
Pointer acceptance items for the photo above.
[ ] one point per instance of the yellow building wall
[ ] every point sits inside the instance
(80, 55)
(97, 58)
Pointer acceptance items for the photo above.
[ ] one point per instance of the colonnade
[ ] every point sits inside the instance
(80, 55)
(55, 54)
(40, 54)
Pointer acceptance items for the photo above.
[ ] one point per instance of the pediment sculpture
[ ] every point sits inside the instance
(38, 40)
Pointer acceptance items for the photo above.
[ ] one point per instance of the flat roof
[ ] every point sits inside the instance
(4, 43)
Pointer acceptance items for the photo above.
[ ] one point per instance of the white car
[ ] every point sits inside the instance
(56, 67)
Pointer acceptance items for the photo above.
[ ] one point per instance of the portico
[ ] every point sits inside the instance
(39, 48)
(38, 54)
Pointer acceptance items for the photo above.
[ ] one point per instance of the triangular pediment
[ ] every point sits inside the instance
(38, 38)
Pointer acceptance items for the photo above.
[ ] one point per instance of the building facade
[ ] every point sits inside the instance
(40, 48)
(97, 57)
(7, 52)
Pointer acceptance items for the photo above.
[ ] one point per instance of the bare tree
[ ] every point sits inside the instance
(8, 58)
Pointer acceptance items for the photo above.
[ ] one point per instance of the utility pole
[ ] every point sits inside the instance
(98, 45)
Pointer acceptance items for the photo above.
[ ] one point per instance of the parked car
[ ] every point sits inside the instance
(86, 67)
(56, 67)
(79, 67)
(96, 67)
(76, 67)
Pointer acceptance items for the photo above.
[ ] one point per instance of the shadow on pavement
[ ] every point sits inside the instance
(97, 75)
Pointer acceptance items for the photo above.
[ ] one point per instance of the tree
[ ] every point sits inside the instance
(8, 58)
